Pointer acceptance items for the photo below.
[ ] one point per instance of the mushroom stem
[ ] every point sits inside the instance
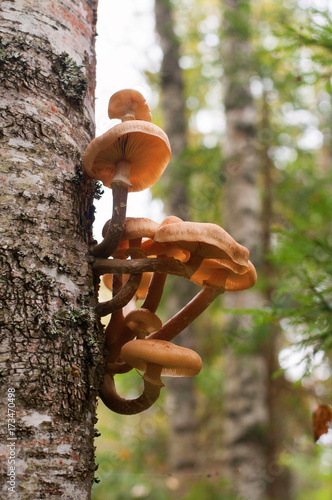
(116, 403)
(155, 291)
(115, 229)
(152, 374)
(121, 298)
(188, 313)
(161, 265)
(116, 342)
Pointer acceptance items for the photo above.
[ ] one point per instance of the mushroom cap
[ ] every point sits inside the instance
(143, 320)
(224, 273)
(207, 240)
(129, 104)
(142, 145)
(135, 227)
(176, 361)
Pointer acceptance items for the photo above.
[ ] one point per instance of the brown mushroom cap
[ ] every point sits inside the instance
(141, 145)
(206, 240)
(143, 321)
(135, 227)
(223, 273)
(129, 104)
(175, 361)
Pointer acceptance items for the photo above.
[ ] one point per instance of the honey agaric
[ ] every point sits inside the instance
(216, 272)
(135, 227)
(215, 277)
(160, 358)
(129, 157)
(142, 322)
(129, 104)
(203, 241)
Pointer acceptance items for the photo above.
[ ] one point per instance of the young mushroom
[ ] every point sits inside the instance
(142, 322)
(129, 157)
(158, 358)
(155, 358)
(129, 104)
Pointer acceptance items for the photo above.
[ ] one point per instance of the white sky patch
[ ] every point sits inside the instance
(126, 46)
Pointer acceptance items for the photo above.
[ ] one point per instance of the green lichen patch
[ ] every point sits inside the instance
(73, 82)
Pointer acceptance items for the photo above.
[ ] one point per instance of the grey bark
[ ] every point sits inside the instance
(245, 391)
(182, 442)
(50, 349)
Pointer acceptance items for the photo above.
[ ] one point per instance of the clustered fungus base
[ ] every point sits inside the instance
(137, 254)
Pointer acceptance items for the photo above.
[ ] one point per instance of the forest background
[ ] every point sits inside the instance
(265, 66)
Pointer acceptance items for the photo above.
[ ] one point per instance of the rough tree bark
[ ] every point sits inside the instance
(182, 442)
(245, 388)
(50, 337)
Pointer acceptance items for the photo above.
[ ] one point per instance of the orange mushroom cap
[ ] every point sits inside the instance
(129, 104)
(142, 146)
(223, 273)
(173, 360)
(206, 240)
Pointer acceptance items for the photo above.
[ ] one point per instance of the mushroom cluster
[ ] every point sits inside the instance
(136, 255)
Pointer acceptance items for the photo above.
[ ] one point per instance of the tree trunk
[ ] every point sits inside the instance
(245, 397)
(50, 336)
(182, 443)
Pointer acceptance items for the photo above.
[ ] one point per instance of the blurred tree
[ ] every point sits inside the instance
(182, 442)
(246, 413)
(50, 337)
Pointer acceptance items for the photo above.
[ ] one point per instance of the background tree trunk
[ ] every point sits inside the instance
(245, 392)
(182, 442)
(50, 336)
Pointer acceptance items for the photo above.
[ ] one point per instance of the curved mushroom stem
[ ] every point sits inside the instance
(188, 313)
(116, 403)
(155, 291)
(161, 265)
(122, 298)
(115, 229)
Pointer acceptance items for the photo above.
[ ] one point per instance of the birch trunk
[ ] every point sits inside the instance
(182, 442)
(50, 337)
(245, 398)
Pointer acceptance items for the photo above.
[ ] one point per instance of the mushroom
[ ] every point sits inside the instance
(142, 322)
(129, 157)
(128, 104)
(135, 227)
(155, 358)
(213, 271)
(203, 241)
(215, 281)
(160, 358)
